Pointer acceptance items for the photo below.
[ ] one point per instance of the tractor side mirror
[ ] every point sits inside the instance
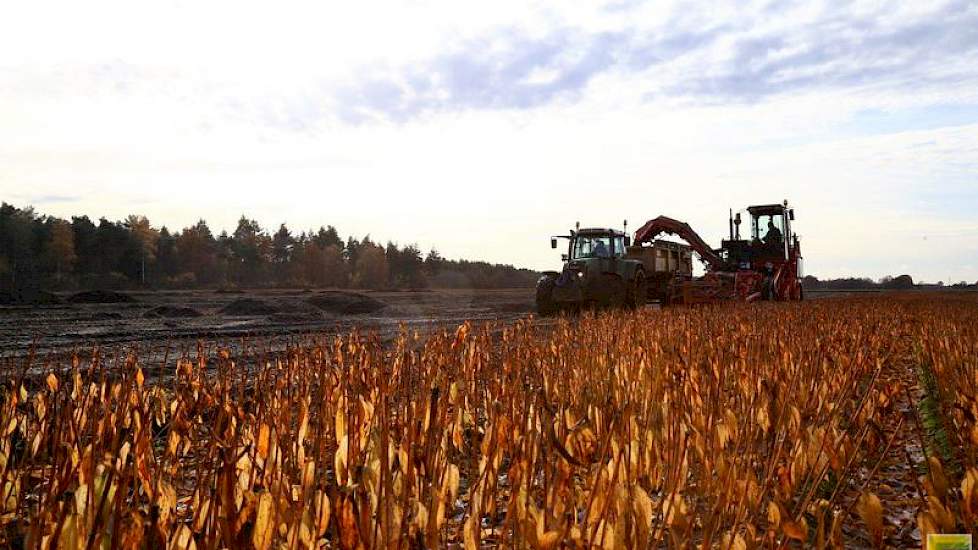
(628, 241)
(791, 214)
(553, 242)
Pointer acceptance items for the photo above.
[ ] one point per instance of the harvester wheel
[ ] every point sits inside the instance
(545, 300)
(639, 291)
(767, 289)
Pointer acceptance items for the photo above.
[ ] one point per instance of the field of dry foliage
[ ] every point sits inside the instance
(829, 423)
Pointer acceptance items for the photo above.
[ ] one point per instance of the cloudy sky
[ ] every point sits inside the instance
(482, 128)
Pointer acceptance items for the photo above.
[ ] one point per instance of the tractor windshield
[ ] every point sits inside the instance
(587, 246)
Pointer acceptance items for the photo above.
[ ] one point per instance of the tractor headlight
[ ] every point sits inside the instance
(580, 274)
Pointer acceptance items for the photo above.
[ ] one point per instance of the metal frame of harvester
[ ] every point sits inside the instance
(759, 267)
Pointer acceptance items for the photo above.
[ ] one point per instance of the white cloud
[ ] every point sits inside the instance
(482, 132)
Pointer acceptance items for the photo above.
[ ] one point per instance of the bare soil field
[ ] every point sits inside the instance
(185, 317)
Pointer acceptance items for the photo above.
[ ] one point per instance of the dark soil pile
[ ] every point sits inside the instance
(28, 298)
(296, 317)
(345, 303)
(249, 306)
(166, 312)
(106, 316)
(101, 297)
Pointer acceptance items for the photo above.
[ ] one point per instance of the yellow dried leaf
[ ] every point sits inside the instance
(969, 491)
(733, 542)
(940, 514)
(339, 422)
(52, 381)
(420, 516)
(308, 476)
(675, 511)
(348, 530)
(773, 514)
(643, 507)
(303, 424)
(470, 534)
(263, 530)
(339, 461)
(937, 476)
(794, 530)
(69, 539)
(321, 505)
(201, 514)
(870, 509)
(183, 539)
(926, 524)
(548, 540)
(451, 481)
(263, 436)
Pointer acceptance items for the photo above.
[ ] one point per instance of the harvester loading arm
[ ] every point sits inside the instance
(665, 224)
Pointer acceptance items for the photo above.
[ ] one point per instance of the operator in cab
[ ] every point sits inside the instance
(773, 236)
(600, 250)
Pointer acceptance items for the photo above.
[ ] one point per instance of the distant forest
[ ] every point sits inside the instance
(901, 282)
(45, 252)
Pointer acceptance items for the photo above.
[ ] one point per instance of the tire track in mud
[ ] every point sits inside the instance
(896, 481)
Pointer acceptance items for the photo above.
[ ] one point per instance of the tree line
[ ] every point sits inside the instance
(46, 252)
(900, 282)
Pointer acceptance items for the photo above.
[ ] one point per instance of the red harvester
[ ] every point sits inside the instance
(765, 266)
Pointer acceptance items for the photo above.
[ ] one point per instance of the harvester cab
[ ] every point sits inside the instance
(772, 242)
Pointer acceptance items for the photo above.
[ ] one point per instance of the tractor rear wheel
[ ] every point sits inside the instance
(639, 291)
(545, 300)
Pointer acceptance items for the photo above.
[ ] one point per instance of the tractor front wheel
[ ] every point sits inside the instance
(546, 306)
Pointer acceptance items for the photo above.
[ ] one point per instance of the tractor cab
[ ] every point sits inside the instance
(597, 243)
(594, 249)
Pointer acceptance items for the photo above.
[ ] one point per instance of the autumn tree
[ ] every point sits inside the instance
(60, 248)
(195, 252)
(17, 245)
(252, 248)
(328, 236)
(37, 250)
(85, 245)
(145, 238)
(334, 268)
(371, 270)
(166, 253)
(406, 266)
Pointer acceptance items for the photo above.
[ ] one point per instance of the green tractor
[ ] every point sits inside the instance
(597, 272)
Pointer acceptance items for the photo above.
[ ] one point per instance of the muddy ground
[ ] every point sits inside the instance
(180, 318)
(168, 321)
